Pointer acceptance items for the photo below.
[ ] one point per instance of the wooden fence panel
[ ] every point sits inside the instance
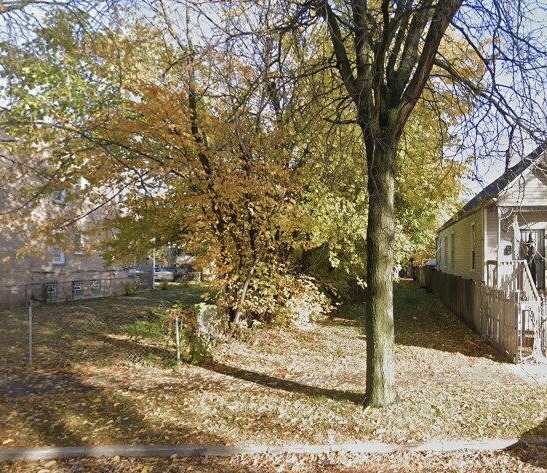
(490, 312)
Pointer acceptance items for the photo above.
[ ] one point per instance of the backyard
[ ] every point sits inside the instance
(95, 380)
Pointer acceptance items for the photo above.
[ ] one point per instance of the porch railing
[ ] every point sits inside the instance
(515, 280)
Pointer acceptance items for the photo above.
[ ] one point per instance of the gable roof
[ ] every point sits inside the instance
(494, 189)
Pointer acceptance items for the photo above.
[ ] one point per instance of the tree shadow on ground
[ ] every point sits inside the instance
(532, 446)
(79, 413)
(165, 355)
(422, 320)
(54, 405)
(75, 332)
(283, 384)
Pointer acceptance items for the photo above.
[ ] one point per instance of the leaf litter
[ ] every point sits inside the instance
(276, 385)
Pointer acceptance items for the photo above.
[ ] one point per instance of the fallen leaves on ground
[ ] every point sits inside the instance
(91, 384)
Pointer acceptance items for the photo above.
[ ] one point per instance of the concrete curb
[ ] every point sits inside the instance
(440, 446)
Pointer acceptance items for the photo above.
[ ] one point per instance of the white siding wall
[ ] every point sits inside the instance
(455, 246)
(529, 190)
(491, 233)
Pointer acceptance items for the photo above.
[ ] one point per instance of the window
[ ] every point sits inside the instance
(96, 287)
(77, 288)
(59, 197)
(473, 245)
(81, 243)
(50, 292)
(452, 250)
(57, 256)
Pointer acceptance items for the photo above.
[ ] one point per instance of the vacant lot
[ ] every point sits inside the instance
(94, 382)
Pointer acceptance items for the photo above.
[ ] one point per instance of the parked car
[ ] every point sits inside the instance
(430, 263)
(164, 275)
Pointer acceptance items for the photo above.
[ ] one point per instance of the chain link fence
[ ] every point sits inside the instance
(53, 290)
(72, 324)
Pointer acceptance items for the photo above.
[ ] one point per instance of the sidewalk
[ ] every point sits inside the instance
(141, 451)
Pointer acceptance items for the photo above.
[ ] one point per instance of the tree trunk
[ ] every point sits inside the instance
(241, 301)
(380, 379)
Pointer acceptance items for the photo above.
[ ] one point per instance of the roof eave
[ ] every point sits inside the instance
(456, 218)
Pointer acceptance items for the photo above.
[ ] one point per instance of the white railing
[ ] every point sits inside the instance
(515, 280)
(512, 277)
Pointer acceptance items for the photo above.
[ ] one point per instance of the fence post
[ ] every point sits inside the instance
(30, 332)
(177, 338)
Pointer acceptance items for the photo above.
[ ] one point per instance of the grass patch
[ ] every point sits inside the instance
(144, 329)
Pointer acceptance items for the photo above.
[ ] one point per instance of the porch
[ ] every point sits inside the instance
(515, 237)
(515, 266)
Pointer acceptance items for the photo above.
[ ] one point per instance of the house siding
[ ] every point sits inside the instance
(529, 220)
(491, 232)
(455, 246)
(529, 190)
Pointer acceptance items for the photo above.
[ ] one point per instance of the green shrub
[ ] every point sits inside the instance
(164, 285)
(130, 288)
(200, 328)
(194, 349)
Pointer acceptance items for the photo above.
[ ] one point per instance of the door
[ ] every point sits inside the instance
(534, 253)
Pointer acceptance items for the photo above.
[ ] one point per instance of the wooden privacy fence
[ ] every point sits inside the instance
(489, 311)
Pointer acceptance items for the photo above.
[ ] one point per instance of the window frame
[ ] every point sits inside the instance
(96, 287)
(77, 288)
(60, 259)
(51, 291)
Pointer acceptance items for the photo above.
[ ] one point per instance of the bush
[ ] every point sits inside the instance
(130, 288)
(164, 285)
(201, 327)
(301, 302)
(286, 299)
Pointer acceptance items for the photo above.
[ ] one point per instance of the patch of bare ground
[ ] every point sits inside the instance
(94, 384)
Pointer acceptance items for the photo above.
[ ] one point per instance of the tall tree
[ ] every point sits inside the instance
(385, 69)
(394, 45)
(387, 53)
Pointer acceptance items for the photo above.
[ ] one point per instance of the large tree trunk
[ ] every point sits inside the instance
(380, 387)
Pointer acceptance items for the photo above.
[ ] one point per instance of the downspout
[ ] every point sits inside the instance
(484, 246)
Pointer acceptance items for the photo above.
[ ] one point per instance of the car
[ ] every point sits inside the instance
(430, 263)
(164, 275)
